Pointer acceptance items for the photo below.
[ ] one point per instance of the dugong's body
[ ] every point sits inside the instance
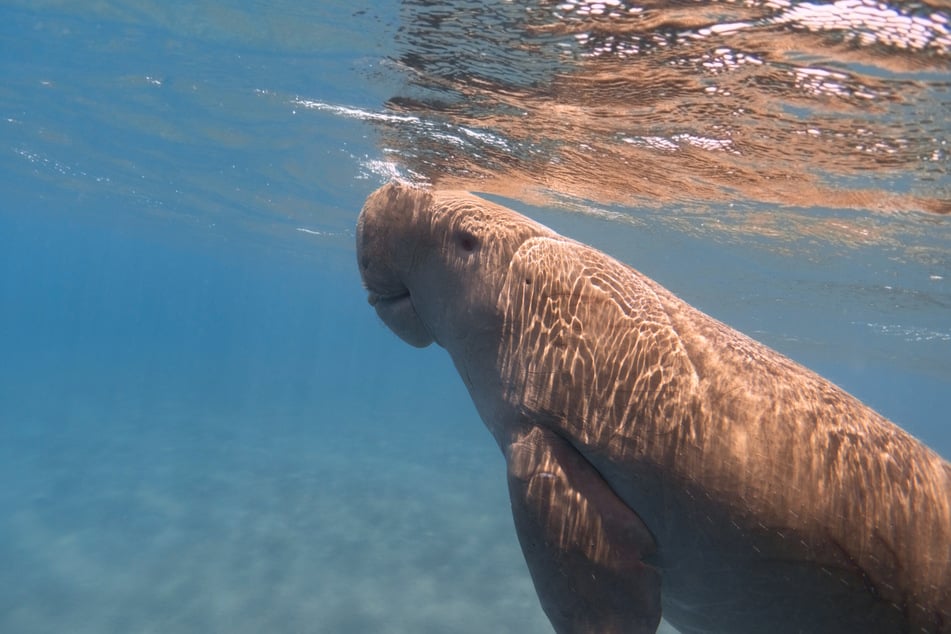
(659, 461)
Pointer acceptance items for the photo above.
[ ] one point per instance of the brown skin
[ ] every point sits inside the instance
(657, 459)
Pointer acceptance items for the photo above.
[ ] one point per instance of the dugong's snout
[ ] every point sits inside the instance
(377, 254)
(384, 255)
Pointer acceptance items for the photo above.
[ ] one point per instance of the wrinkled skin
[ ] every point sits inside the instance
(659, 461)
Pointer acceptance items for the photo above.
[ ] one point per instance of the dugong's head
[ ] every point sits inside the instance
(434, 263)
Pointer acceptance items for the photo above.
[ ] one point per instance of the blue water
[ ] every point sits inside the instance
(204, 427)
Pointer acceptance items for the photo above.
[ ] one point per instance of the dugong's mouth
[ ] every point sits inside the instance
(399, 314)
(380, 298)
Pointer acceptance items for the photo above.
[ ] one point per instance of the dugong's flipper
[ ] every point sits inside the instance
(584, 547)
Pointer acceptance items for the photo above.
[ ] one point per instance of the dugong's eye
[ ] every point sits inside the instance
(466, 241)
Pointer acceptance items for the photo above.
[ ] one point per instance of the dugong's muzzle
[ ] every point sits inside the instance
(384, 256)
(400, 316)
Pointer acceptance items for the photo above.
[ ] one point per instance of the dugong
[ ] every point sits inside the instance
(658, 461)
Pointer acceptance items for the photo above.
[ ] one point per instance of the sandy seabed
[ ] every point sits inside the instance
(168, 523)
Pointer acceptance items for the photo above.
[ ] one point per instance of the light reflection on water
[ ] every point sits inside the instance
(840, 105)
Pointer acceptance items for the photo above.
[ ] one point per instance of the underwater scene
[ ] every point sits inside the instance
(204, 425)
